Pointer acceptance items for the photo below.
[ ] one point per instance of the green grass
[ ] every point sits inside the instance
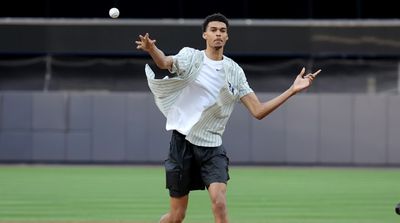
(255, 195)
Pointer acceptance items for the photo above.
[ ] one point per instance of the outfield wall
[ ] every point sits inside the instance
(104, 127)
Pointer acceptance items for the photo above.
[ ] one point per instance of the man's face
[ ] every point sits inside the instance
(216, 34)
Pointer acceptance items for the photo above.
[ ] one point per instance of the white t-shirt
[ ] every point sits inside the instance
(197, 96)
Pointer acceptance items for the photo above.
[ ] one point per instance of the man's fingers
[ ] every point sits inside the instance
(302, 72)
(316, 73)
(146, 38)
(313, 75)
(144, 42)
(310, 76)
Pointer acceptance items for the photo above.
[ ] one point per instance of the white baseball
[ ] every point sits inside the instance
(114, 13)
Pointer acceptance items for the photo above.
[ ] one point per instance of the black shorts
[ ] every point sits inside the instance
(190, 167)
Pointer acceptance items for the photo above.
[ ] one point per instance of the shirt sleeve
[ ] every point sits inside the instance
(244, 87)
(182, 61)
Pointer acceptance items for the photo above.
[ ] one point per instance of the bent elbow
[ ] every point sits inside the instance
(261, 115)
(258, 116)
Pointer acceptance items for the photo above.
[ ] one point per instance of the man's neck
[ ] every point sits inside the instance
(215, 54)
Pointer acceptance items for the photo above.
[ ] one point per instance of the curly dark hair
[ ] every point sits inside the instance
(215, 17)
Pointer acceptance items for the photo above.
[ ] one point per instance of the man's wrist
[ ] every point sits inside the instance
(152, 50)
(292, 91)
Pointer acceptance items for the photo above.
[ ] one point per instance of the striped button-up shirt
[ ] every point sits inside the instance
(186, 67)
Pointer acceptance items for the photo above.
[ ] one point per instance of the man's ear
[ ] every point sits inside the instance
(204, 35)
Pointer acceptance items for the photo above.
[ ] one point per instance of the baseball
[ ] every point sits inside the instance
(114, 13)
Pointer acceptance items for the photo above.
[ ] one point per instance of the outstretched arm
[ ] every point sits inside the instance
(260, 110)
(146, 44)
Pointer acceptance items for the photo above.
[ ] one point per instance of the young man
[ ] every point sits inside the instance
(197, 103)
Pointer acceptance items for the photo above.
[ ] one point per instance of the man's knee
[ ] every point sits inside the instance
(218, 198)
(219, 204)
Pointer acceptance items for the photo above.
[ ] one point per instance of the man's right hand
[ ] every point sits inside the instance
(145, 43)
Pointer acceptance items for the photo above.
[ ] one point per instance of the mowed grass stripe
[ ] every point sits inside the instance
(137, 194)
(80, 193)
(314, 193)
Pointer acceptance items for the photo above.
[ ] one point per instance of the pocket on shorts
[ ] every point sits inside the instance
(173, 175)
(173, 179)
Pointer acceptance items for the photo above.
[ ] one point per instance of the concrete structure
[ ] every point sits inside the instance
(99, 127)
